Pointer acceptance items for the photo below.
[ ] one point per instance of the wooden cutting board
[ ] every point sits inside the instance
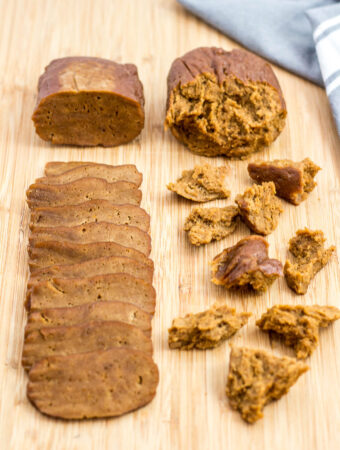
(190, 410)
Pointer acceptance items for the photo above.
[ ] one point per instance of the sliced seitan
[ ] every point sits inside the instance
(78, 191)
(62, 292)
(49, 253)
(127, 172)
(82, 338)
(53, 168)
(88, 312)
(99, 266)
(125, 235)
(115, 381)
(91, 211)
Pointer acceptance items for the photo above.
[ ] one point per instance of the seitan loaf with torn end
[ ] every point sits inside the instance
(88, 337)
(125, 235)
(63, 292)
(82, 190)
(116, 381)
(91, 211)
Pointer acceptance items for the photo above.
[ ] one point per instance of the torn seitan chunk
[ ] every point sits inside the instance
(89, 101)
(82, 338)
(298, 325)
(115, 382)
(99, 266)
(246, 264)
(125, 235)
(310, 256)
(82, 190)
(89, 312)
(260, 208)
(91, 211)
(202, 184)
(256, 378)
(293, 180)
(207, 224)
(207, 329)
(127, 172)
(49, 253)
(224, 103)
(68, 292)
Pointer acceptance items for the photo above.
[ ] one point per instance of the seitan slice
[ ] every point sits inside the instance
(125, 235)
(99, 266)
(298, 325)
(115, 381)
(78, 191)
(88, 312)
(49, 253)
(53, 168)
(256, 378)
(63, 292)
(126, 172)
(91, 211)
(82, 338)
(207, 329)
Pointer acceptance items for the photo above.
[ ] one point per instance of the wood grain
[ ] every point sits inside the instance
(190, 410)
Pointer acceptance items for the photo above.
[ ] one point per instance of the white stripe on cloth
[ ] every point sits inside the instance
(333, 85)
(328, 50)
(325, 25)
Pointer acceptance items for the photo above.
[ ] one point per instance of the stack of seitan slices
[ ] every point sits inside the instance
(90, 298)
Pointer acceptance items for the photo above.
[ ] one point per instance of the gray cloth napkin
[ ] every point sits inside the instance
(302, 36)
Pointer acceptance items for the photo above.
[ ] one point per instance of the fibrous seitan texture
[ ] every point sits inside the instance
(207, 329)
(93, 267)
(69, 292)
(256, 378)
(298, 325)
(246, 264)
(89, 101)
(293, 180)
(125, 235)
(224, 103)
(82, 338)
(310, 256)
(127, 172)
(260, 208)
(49, 253)
(98, 311)
(207, 224)
(115, 381)
(202, 184)
(82, 190)
(91, 211)
(53, 168)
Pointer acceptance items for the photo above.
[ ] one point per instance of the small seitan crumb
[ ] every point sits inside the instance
(293, 180)
(246, 264)
(207, 224)
(299, 325)
(260, 208)
(207, 329)
(310, 256)
(257, 377)
(202, 184)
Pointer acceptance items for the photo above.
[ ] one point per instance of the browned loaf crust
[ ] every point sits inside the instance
(126, 172)
(91, 211)
(89, 101)
(87, 337)
(116, 381)
(224, 103)
(89, 312)
(63, 292)
(82, 190)
(99, 266)
(49, 253)
(125, 235)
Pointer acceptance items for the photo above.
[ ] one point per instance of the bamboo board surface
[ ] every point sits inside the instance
(190, 410)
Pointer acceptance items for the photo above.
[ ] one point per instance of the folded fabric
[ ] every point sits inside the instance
(303, 36)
